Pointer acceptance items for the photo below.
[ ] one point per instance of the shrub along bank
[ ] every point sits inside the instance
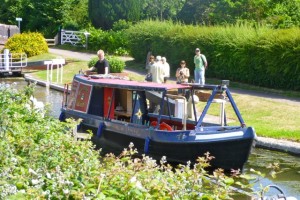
(31, 43)
(259, 56)
(40, 159)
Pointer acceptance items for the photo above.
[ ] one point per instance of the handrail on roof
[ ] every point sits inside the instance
(184, 108)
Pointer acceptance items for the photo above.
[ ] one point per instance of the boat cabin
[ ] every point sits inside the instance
(147, 103)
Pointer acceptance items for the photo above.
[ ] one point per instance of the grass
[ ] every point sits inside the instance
(269, 118)
(45, 56)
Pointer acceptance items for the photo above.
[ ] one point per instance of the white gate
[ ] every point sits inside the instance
(70, 37)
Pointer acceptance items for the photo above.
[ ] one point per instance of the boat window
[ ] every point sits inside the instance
(123, 104)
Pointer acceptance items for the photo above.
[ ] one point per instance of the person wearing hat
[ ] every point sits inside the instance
(200, 66)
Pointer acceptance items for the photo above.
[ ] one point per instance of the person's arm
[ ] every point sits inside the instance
(187, 73)
(92, 69)
(177, 72)
(205, 61)
(106, 67)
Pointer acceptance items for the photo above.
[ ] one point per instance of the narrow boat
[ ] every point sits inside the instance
(159, 121)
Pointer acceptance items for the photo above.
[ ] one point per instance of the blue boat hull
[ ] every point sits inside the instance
(228, 153)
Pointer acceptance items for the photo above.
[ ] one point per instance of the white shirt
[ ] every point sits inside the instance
(158, 72)
(166, 67)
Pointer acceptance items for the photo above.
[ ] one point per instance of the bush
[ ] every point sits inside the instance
(30, 43)
(116, 65)
(113, 42)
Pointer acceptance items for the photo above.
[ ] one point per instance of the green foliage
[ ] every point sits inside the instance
(277, 14)
(30, 43)
(104, 13)
(92, 62)
(116, 65)
(121, 25)
(46, 16)
(258, 56)
(112, 42)
(76, 17)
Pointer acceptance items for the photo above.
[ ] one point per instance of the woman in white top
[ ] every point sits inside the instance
(182, 73)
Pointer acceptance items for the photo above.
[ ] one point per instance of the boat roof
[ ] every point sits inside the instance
(118, 82)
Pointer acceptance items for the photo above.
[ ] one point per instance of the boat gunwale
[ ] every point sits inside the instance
(129, 84)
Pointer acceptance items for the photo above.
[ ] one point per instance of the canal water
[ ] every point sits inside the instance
(288, 179)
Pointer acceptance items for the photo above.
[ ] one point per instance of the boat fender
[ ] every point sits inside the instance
(100, 129)
(164, 126)
(146, 146)
(62, 117)
(153, 123)
(79, 126)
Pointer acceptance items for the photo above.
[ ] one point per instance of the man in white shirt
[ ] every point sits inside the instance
(157, 71)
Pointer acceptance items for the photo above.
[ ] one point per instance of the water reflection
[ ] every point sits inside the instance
(51, 97)
(288, 179)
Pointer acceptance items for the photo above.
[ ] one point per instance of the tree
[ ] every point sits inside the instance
(103, 13)
(9, 10)
(276, 13)
(77, 16)
(45, 16)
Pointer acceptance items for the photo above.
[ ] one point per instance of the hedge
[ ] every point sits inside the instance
(255, 55)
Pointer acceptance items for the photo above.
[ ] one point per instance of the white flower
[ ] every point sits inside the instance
(32, 171)
(34, 181)
(48, 175)
(14, 160)
(133, 179)
(139, 185)
(131, 145)
(66, 191)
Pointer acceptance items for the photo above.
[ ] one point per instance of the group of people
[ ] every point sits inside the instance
(160, 69)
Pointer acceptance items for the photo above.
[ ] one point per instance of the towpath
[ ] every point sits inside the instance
(270, 143)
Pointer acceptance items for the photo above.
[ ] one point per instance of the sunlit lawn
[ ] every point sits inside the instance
(269, 118)
(45, 56)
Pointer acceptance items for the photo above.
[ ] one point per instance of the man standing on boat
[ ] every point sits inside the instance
(102, 65)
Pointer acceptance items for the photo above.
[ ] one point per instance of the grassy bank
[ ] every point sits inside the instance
(269, 118)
